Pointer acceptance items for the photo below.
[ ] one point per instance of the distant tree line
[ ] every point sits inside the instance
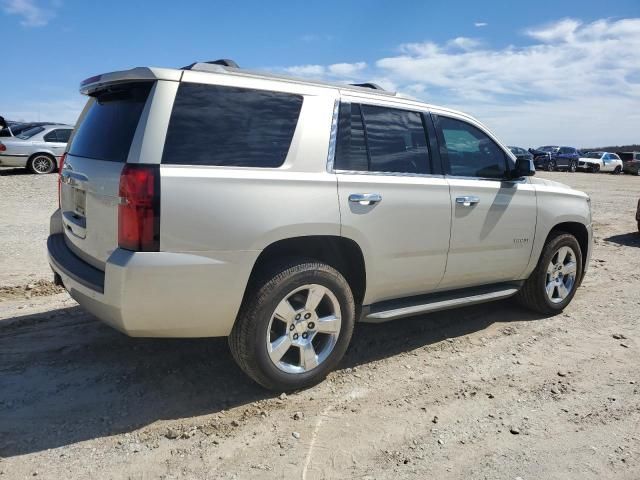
(618, 148)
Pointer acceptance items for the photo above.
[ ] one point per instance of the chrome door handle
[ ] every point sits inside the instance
(365, 198)
(468, 200)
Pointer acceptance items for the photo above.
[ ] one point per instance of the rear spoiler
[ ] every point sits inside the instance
(138, 74)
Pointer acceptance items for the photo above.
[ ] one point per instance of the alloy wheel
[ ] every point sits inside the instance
(561, 275)
(303, 329)
(42, 164)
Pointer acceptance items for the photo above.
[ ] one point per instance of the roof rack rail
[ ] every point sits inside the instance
(371, 85)
(225, 62)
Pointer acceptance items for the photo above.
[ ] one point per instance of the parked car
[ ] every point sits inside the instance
(38, 148)
(14, 129)
(551, 157)
(630, 162)
(595, 162)
(520, 152)
(232, 203)
(638, 215)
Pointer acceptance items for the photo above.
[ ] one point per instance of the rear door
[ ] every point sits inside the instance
(101, 145)
(394, 201)
(494, 218)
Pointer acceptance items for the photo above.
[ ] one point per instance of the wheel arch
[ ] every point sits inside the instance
(580, 232)
(342, 253)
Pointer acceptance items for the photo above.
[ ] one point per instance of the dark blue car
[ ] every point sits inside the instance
(552, 157)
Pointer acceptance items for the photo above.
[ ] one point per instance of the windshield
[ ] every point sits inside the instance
(593, 155)
(30, 133)
(549, 148)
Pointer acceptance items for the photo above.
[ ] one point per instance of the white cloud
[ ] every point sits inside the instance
(32, 13)
(346, 69)
(336, 70)
(563, 30)
(573, 82)
(480, 24)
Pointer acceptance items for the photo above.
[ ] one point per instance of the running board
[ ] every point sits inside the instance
(407, 307)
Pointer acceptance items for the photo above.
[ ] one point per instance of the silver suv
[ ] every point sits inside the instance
(215, 201)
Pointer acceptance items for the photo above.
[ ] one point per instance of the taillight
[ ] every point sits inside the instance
(2, 147)
(62, 159)
(139, 208)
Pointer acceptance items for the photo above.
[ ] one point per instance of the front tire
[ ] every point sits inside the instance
(41, 164)
(553, 283)
(294, 325)
(594, 168)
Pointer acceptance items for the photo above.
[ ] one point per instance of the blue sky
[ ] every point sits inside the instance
(535, 72)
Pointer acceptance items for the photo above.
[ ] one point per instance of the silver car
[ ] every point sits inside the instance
(214, 201)
(38, 148)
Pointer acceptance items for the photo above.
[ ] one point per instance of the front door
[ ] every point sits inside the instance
(494, 218)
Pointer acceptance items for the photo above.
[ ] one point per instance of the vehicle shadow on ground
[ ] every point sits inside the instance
(626, 239)
(11, 171)
(65, 377)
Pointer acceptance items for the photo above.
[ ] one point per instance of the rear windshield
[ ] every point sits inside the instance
(108, 127)
(25, 134)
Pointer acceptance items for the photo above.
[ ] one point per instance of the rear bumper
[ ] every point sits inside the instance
(13, 160)
(156, 294)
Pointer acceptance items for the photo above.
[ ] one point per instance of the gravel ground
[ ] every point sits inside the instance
(27, 203)
(491, 391)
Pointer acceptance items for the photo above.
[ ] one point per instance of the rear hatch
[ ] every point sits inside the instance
(99, 149)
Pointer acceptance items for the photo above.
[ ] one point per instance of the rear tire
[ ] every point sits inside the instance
(279, 339)
(540, 291)
(617, 170)
(573, 166)
(41, 164)
(551, 166)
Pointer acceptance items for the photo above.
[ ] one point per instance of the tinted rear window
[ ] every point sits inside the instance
(110, 124)
(229, 126)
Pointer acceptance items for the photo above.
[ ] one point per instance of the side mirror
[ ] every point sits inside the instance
(523, 168)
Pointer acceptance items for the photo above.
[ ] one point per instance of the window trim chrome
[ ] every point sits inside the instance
(333, 136)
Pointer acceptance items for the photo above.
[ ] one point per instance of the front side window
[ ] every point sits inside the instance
(470, 151)
(229, 126)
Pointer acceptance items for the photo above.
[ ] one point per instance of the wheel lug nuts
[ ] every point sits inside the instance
(307, 316)
(311, 325)
(298, 317)
(292, 327)
(295, 336)
(305, 335)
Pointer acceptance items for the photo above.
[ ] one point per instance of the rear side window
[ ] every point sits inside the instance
(59, 136)
(107, 130)
(392, 140)
(229, 126)
(351, 147)
(471, 153)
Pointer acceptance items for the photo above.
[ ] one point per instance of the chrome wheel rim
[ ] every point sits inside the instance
(561, 274)
(42, 164)
(304, 329)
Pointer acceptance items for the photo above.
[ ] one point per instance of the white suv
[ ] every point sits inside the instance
(214, 201)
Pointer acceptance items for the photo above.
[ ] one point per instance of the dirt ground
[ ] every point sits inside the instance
(490, 391)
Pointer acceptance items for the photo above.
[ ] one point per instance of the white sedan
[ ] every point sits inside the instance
(600, 162)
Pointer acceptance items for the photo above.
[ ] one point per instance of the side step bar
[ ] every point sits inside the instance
(407, 307)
